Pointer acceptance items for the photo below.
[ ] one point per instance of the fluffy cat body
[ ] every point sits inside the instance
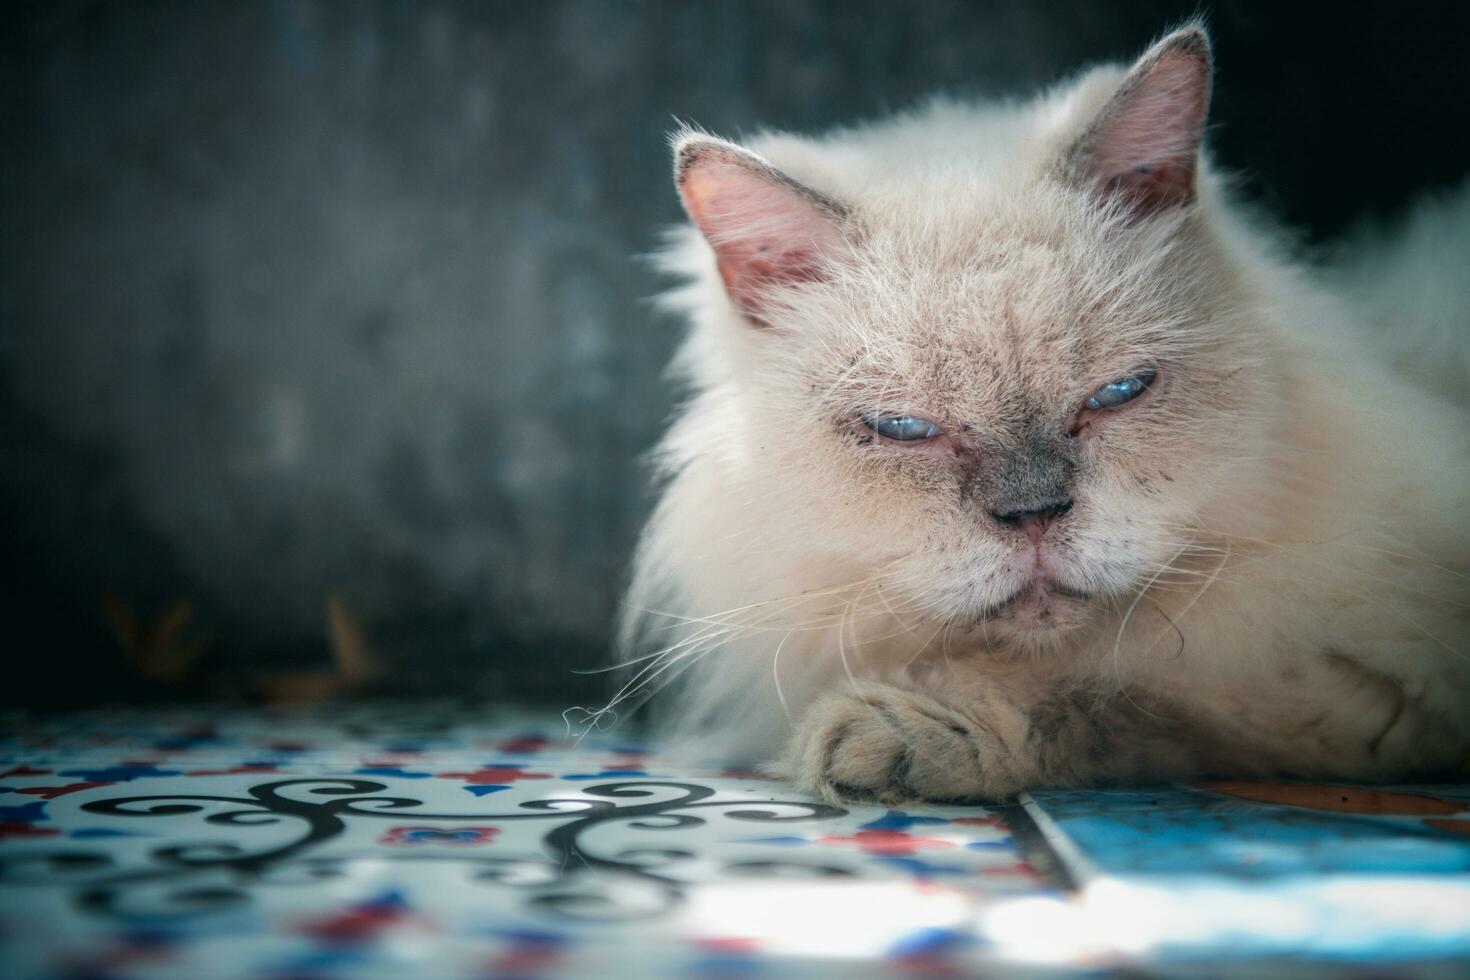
(1255, 567)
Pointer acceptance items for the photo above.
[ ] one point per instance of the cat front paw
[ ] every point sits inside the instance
(884, 744)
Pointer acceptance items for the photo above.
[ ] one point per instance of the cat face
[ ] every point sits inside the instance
(1011, 395)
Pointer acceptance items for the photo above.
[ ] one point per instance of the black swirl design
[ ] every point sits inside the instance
(572, 879)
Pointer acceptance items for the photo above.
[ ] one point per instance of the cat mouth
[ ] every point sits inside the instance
(1040, 604)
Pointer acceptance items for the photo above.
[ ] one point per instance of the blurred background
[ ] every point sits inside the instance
(326, 357)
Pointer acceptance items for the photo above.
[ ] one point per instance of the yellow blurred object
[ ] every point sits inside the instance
(160, 651)
(353, 666)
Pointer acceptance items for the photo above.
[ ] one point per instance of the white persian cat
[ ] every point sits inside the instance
(1017, 456)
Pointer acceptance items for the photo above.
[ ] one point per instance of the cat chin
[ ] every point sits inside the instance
(1039, 616)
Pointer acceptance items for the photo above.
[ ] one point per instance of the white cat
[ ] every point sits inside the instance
(1017, 456)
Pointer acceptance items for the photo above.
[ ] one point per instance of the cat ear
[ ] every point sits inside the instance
(1144, 146)
(766, 229)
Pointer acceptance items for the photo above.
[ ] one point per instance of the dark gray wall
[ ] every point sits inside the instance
(301, 299)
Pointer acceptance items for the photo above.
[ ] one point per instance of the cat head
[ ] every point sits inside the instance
(999, 358)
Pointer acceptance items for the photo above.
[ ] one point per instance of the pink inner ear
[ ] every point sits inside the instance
(765, 229)
(1146, 146)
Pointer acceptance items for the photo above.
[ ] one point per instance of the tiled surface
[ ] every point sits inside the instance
(1271, 877)
(431, 841)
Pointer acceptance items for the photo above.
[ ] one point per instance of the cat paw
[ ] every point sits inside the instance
(888, 745)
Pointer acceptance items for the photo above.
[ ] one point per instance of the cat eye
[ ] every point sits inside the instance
(1120, 392)
(901, 428)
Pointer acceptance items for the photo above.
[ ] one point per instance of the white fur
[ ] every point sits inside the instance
(1411, 291)
(1275, 540)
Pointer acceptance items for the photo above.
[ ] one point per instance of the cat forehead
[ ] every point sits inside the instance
(966, 369)
(967, 202)
(997, 320)
(981, 289)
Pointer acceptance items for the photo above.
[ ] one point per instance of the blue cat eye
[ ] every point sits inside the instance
(901, 428)
(1120, 391)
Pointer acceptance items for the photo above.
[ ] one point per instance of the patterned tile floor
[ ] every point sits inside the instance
(427, 841)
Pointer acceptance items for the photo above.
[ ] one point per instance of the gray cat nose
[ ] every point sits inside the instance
(1033, 520)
